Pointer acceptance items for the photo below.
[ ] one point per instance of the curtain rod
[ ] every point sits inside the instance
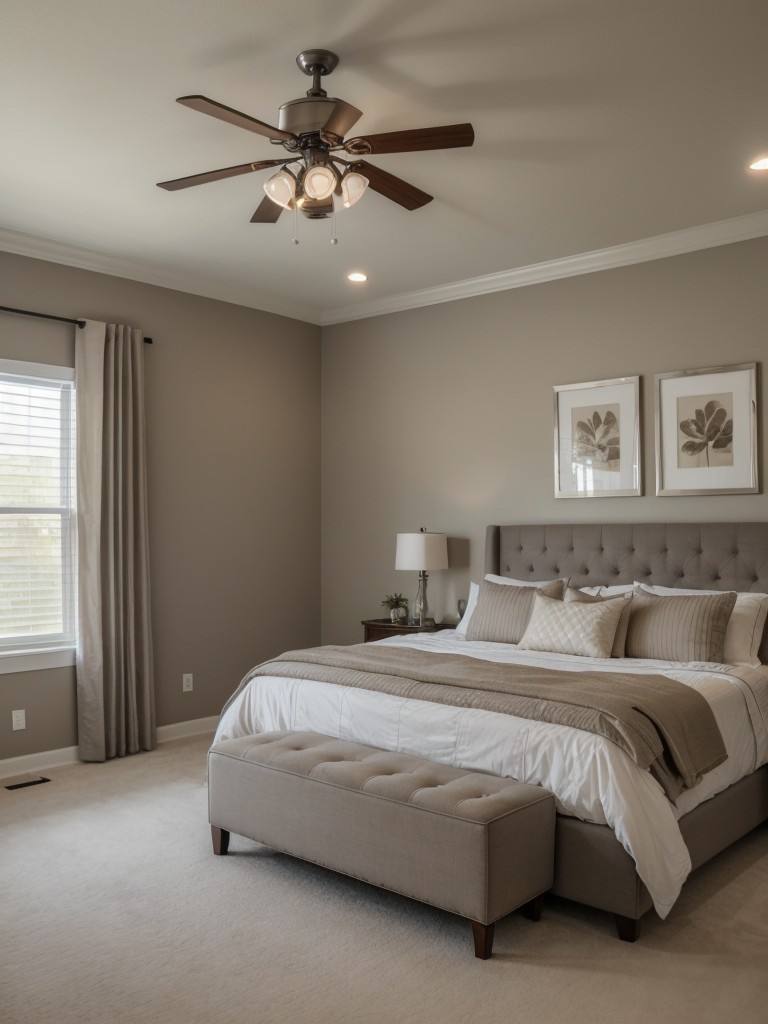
(50, 316)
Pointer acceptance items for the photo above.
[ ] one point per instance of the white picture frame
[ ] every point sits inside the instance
(597, 439)
(706, 431)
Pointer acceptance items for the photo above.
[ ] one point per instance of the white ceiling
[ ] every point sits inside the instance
(597, 123)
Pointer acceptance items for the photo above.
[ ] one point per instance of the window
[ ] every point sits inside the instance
(38, 581)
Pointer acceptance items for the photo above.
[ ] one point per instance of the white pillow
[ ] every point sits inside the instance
(745, 626)
(616, 591)
(522, 583)
(572, 627)
(474, 590)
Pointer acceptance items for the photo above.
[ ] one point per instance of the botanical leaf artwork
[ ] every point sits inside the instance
(706, 431)
(596, 436)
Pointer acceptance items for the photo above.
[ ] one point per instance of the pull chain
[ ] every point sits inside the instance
(295, 238)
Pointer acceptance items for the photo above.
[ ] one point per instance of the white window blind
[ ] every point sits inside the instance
(38, 584)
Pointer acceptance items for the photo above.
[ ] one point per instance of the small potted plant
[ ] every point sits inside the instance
(398, 606)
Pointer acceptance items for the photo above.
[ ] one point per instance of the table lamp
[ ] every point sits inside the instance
(423, 552)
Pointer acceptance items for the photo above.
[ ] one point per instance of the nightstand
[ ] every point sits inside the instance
(378, 629)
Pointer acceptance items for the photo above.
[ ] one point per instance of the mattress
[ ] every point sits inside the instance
(591, 777)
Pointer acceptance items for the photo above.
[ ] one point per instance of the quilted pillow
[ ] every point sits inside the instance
(502, 612)
(620, 638)
(573, 627)
(690, 628)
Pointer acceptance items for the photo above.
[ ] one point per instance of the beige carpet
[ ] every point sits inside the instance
(113, 909)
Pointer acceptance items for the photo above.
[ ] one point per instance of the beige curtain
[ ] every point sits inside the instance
(115, 685)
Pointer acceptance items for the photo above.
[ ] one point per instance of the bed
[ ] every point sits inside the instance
(621, 845)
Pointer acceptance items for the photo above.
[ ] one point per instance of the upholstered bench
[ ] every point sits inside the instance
(473, 844)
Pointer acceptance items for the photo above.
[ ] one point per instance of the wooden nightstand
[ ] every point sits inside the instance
(378, 629)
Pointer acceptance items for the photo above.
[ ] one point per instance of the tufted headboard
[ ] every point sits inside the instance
(706, 556)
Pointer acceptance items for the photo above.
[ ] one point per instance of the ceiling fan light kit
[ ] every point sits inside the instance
(319, 181)
(281, 188)
(353, 185)
(312, 130)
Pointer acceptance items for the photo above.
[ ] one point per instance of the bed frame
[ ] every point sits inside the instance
(591, 865)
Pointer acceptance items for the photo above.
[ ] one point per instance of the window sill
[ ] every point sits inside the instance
(34, 661)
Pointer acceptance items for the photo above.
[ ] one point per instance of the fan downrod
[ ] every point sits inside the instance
(317, 63)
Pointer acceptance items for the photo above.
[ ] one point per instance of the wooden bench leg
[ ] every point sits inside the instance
(627, 927)
(532, 909)
(220, 838)
(483, 936)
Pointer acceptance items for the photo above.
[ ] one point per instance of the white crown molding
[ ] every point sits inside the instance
(675, 243)
(21, 244)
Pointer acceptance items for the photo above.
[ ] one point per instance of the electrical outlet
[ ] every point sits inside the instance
(18, 720)
(186, 682)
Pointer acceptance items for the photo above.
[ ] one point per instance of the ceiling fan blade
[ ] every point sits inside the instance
(449, 136)
(267, 212)
(224, 172)
(393, 188)
(223, 113)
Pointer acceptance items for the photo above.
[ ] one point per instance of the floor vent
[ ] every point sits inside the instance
(22, 781)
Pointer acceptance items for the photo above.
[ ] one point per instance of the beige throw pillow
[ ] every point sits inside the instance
(573, 627)
(745, 626)
(502, 612)
(620, 639)
(678, 628)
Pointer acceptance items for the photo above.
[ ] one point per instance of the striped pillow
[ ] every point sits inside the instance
(502, 612)
(678, 628)
(745, 626)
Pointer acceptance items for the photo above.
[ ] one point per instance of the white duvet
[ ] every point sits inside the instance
(591, 777)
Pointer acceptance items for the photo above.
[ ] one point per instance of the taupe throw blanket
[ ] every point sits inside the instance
(664, 726)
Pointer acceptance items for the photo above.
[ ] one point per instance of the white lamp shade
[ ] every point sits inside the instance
(281, 188)
(319, 182)
(353, 185)
(421, 551)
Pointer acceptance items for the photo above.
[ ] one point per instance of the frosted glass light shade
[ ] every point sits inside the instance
(319, 182)
(281, 188)
(422, 551)
(353, 186)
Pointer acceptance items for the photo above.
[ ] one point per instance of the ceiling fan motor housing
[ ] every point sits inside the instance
(318, 114)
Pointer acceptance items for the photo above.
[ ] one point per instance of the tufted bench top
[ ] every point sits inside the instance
(471, 795)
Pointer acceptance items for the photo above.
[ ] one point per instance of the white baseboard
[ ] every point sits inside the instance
(180, 730)
(47, 759)
(36, 763)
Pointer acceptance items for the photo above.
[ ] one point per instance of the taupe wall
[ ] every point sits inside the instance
(233, 407)
(442, 417)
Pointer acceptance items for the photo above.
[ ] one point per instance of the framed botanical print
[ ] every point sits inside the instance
(597, 439)
(706, 431)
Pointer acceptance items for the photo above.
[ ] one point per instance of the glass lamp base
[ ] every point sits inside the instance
(420, 608)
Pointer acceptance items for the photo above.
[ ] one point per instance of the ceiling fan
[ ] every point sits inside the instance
(313, 132)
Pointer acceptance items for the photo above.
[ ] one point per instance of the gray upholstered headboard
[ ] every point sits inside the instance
(707, 556)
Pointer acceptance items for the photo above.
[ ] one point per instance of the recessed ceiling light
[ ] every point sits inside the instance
(759, 165)
(356, 275)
